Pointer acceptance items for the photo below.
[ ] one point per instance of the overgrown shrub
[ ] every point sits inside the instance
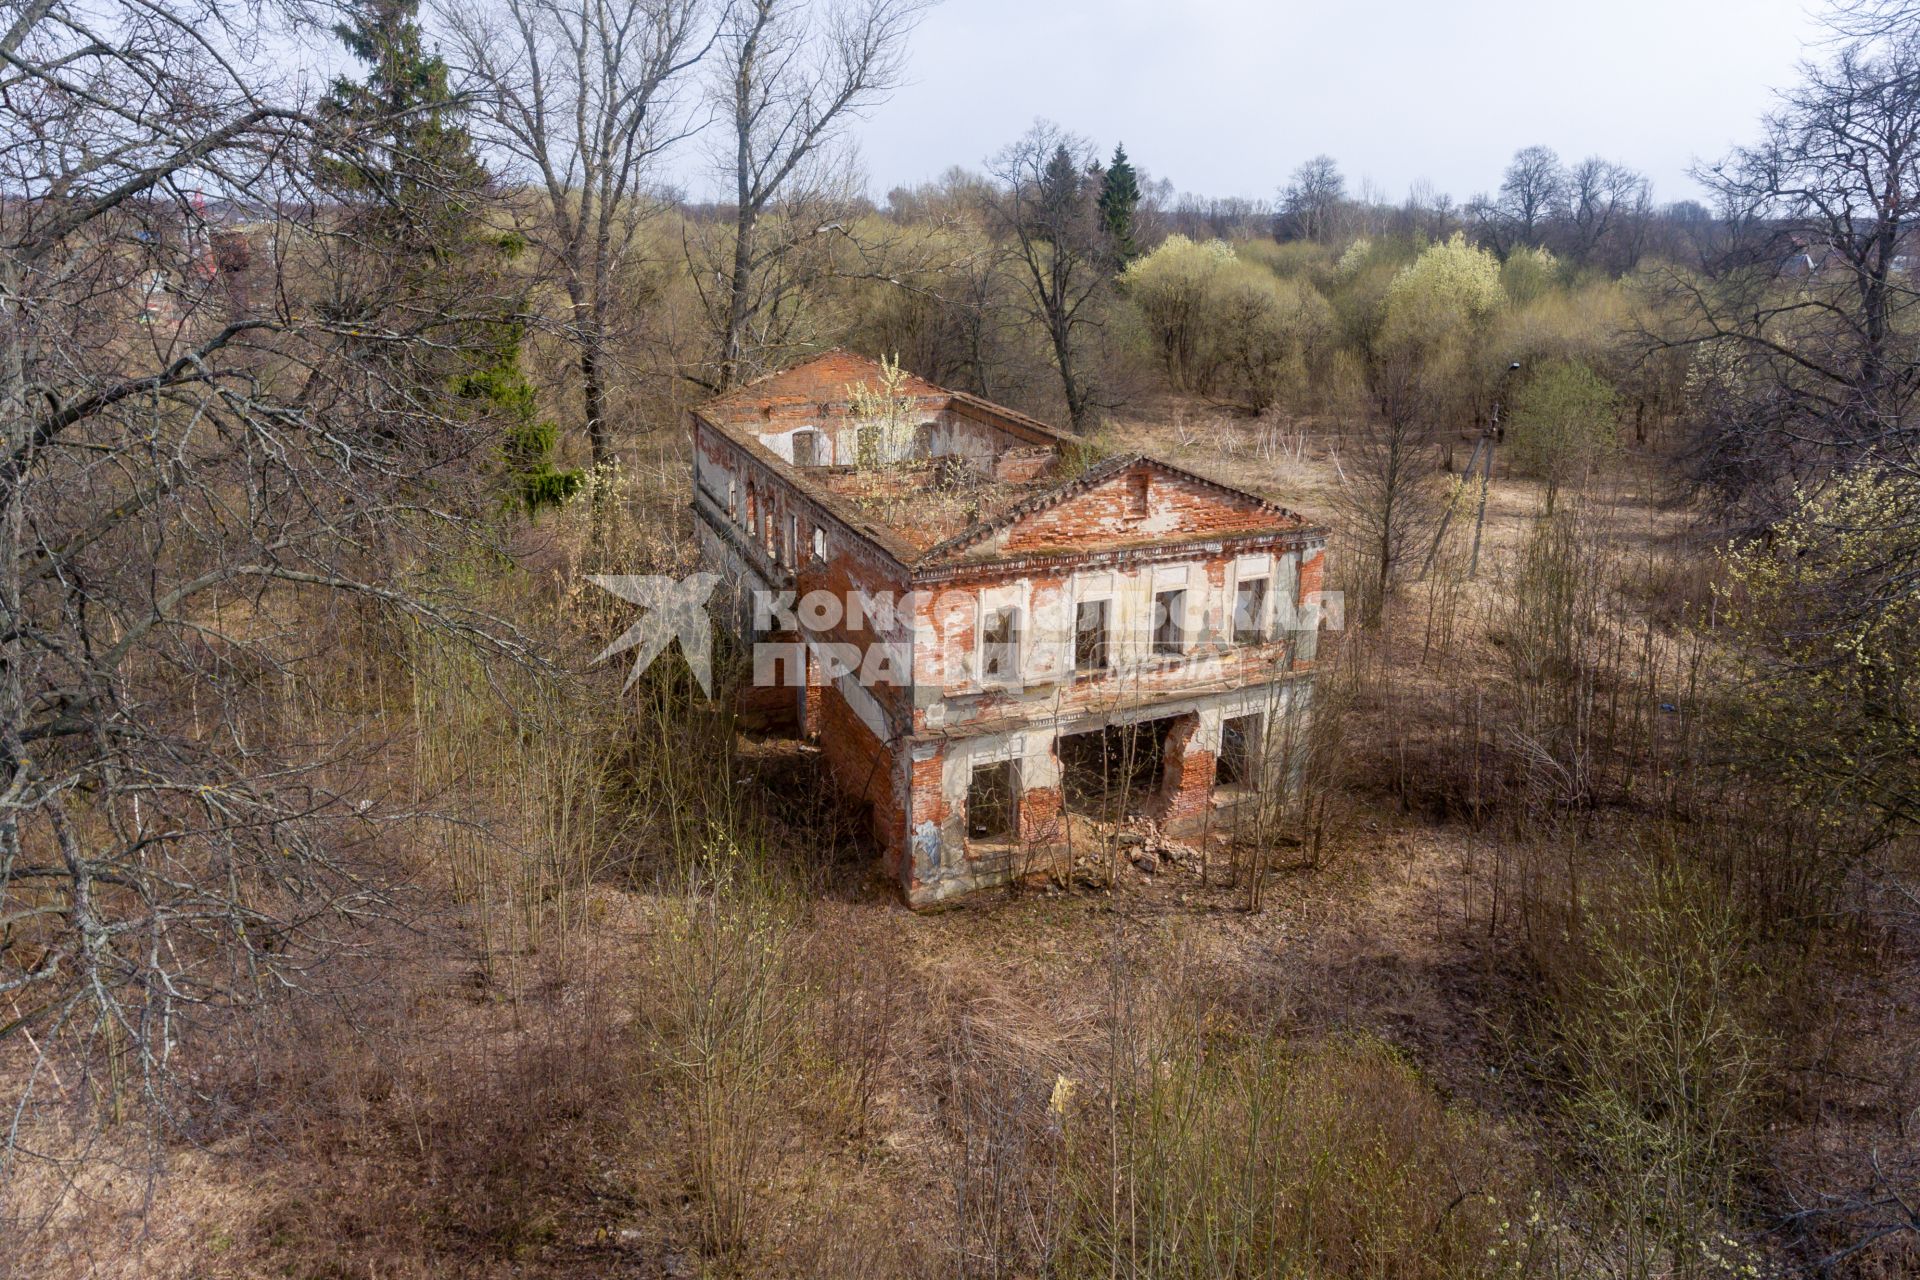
(1563, 422)
(1654, 1011)
(1335, 1160)
(1228, 328)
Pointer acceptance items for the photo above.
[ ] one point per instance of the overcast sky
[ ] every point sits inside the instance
(1225, 97)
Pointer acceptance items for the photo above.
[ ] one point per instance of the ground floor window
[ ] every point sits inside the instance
(993, 801)
(1240, 742)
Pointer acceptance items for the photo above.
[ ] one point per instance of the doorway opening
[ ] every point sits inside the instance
(1114, 772)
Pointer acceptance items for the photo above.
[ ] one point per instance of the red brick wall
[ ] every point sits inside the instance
(1187, 779)
(863, 769)
(929, 802)
(1313, 576)
(1175, 507)
(852, 568)
(1040, 815)
(1019, 466)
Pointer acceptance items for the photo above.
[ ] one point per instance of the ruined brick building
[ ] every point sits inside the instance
(990, 629)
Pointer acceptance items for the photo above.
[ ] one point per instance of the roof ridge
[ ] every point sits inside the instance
(771, 374)
(1098, 473)
(918, 384)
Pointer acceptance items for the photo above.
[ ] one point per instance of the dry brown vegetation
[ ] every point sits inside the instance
(356, 922)
(1544, 1005)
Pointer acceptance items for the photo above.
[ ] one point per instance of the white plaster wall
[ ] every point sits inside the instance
(1033, 748)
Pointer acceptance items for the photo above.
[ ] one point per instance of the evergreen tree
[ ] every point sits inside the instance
(1061, 186)
(421, 254)
(1119, 197)
(401, 146)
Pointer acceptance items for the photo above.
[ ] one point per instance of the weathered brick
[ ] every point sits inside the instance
(1127, 519)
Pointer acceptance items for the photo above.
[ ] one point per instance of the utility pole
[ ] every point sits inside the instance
(1491, 437)
(1446, 517)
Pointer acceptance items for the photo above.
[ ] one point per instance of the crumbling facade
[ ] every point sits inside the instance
(985, 627)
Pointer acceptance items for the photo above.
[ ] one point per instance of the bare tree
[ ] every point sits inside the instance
(583, 98)
(1874, 19)
(1429, 212)
(206, 482)
(791, 77)
(1393, 492)
(1607, 206)
(1803, 324)
(1532, 194)
(1045, 207)
(1311, 201)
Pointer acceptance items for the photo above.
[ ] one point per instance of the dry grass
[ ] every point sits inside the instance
(663, 1022)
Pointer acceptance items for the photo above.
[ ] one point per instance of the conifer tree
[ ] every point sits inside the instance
(403, 149)
(1119, 197)
(420, 252)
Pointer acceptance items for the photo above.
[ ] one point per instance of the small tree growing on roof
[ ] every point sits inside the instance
(883, 417)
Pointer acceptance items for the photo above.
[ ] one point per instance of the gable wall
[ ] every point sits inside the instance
(1110, 511)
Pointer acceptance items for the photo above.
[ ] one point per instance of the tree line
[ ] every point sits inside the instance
(276, 359)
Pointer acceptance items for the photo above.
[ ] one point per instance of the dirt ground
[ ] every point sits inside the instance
(491, 1091)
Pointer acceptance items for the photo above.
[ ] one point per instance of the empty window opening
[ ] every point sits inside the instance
(793, 538)
(1169, 622)
(819, 543)
(1090, 648)
(1113, 772)
(806, 448)
(1000, 647)
(733, 500)
(1250, 612)
(753, 511)
(1241, 738)
(993, 806)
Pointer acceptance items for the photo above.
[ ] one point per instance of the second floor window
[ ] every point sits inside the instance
(1090, 636)
(1250, 612)
(1000, 647)
(1169, 622)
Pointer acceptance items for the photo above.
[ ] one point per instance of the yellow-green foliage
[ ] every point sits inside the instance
(884, 421)
(1359, 283)
(1563, 419)
(1529, 274)
(1225, 326)
(1656, 1010)
(1334, 1161)
(1174, 287)
(1829, 625)
(1307, 260)
(1582, 323)
(1449, 292)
